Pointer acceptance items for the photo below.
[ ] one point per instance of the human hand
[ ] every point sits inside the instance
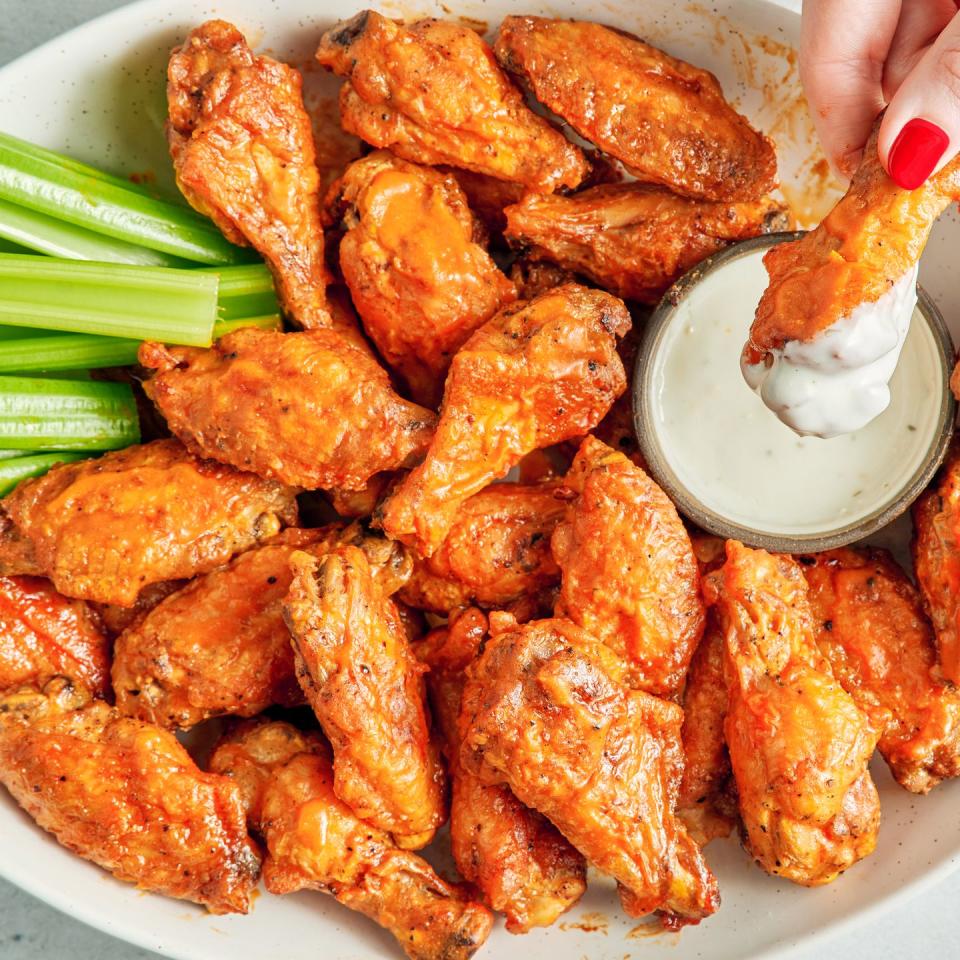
(858, 57)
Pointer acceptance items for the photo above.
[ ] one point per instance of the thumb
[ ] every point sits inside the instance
(920, 132)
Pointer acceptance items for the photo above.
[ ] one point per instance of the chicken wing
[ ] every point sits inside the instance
(547, 714)
(518, 860)
(630, 238)
(315, 842)
(533, 277)
(871, 239)
(630, 578)
(105, 529)
(872, 629)
(432, 92)
(45, 635)
(936, 559)
(413, 260)
(117, 619)
(366, 688)
(310, 408)
(536, 374)
(127, 796)
(799, 745)
(220, 646)
(243, 153)
(496, 553)
(487, 197)
(665, 120)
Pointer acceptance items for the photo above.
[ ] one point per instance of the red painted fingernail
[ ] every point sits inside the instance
(915, 152)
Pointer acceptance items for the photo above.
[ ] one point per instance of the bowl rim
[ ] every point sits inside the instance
(708, 519)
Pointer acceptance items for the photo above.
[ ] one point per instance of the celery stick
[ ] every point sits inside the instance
(67, 190)
(245, 291)
(39, 414)
(270, 321)
(14, 470)
(69, 351)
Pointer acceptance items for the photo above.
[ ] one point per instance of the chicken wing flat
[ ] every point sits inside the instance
(872, 629)
(105, 529)
(633, 239)
(127, 796)
(219, 645)
(871, 239)
(547, 714)
(117, 619)
(366, 688)
(45, 635)
(630, 578)
(518, 860)
(665, 120)
(413, 260)
(936, 559)
(310, 409)
(496, 553)
(432, 92)
(315, 842)
(799, 745)
(536, 374)
(243, 153)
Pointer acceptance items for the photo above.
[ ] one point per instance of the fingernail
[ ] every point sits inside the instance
(915, 152)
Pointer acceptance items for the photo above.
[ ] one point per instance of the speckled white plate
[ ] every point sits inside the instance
(98, 93)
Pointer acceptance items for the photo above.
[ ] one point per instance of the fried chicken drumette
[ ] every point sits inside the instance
(536, 374)
(799, 745)
(105, 529)
(310, 409)
(497, 552)
(127, 796)
(629, 576)
(219, 645)
(45, 635)
(633, 239)
(366, 687)
(546, 713)
(243, 153)
(872, 629)
(315, 842)
(418, 273)
(665, 120)
(518, 860)
(432, 92)
(871, 239)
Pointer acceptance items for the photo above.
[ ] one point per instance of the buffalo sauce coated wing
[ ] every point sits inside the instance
(432, 92)
(546, 713)
(869, 240)
(536, 374)
(311, 409)
(936, 559)
(366, 688)
(45, 635)
(880, 645)
(316, 842)
(497, 552)
(665, 120)
(419, 277)
(105, 529)
(630, 578)
(630, 238)
(243, 153)
(518, 860)
(219, 645)
(127, 796)
(799, 744)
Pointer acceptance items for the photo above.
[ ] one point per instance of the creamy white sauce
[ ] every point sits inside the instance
(738, 459)
(839, 381)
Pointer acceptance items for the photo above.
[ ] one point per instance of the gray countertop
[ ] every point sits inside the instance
(928, 926)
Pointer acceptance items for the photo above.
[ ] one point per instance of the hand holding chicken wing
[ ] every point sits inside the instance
(536, 374)
(243, 153)
(432, 92)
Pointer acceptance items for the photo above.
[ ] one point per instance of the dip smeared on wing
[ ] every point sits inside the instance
(828, 330)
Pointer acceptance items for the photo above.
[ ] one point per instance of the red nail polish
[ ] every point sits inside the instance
(915, 152)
